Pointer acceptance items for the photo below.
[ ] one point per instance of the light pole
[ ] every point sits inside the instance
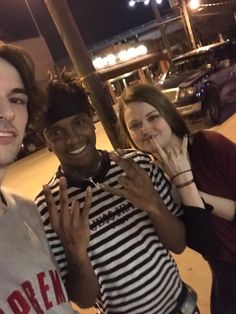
(161, 27)
(77, 50)
(184, 6)
(186, 20)
(157, 15)
(33, 18)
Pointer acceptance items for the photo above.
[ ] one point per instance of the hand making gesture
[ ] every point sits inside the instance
(136, 185)
(173, 159)
(71, 223)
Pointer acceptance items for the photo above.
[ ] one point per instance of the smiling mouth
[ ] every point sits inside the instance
(7, 137)
(78, 150)
(6, 134)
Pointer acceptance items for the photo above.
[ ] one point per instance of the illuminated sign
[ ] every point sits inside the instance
(122, 56)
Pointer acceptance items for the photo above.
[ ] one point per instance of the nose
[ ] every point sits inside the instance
(6, 110)
(146, 128)
(71, 136)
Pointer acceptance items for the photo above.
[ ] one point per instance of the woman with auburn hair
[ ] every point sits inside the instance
(153, 125)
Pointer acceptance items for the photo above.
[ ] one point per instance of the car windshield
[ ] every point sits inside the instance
(190, 64)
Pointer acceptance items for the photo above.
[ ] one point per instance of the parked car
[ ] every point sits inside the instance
(203, 80)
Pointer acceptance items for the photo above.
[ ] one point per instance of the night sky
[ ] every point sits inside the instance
(97, 20)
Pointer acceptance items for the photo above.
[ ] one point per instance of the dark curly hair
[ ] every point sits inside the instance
(65, 97)
(24, 64)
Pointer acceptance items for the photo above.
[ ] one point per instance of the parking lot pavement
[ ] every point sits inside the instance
(193, 268)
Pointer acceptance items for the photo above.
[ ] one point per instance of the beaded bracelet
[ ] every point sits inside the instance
(183, 185)
(178, 174)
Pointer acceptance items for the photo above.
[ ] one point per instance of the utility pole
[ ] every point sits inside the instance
(187, 24)
(33, 18)
(73, 41)
(161, 27)
(182, 6)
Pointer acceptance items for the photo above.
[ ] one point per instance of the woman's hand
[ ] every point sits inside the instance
(174, 158)
(136, 185)
(71, 224)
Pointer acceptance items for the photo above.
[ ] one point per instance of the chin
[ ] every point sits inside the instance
(5, 162)
(9, 155)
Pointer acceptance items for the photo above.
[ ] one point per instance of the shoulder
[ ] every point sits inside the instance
(15, 200)
(145, 161)
(24, 208)
(207, 139)
(142, 158)
(210, 136)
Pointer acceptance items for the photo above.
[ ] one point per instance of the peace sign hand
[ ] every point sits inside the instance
(71, 224)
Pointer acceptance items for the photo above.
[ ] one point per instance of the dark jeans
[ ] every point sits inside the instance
(223, 293)
(187, 301)
(196, 311)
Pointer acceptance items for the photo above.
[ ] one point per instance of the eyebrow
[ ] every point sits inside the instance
(147, 115)
(153, 111)
(18, 90)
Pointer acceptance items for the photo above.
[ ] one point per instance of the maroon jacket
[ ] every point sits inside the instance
(213, 158)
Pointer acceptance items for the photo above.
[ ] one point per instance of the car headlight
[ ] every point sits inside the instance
(187, 92)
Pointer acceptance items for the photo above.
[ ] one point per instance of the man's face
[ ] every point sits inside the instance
(73, 140)
(13, 112)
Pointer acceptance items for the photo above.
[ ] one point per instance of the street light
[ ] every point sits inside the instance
(132, 3)
(194, 4)
(186, 20)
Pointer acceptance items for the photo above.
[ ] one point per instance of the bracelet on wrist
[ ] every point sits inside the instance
(178, 174)
(183, 185)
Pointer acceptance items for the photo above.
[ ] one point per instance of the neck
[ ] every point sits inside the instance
(80, 173)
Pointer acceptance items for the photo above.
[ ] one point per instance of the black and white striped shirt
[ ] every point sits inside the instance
(136, 273)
